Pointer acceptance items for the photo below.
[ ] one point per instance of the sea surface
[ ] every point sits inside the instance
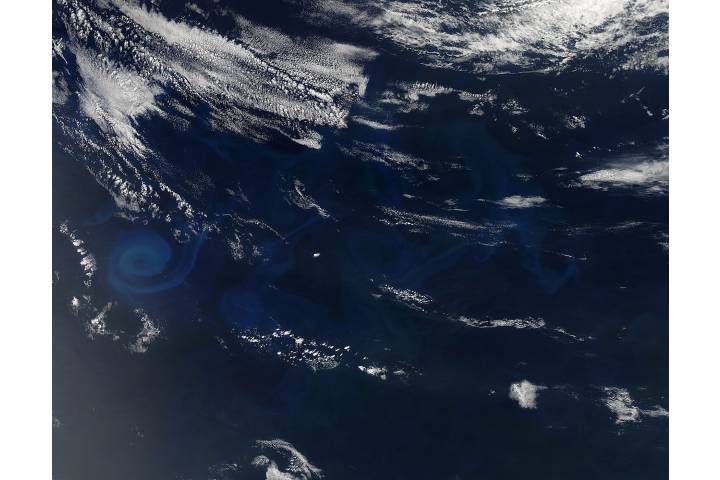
(360, 240)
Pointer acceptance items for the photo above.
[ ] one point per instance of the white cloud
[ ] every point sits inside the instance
(519, 323)
(373, 124)
(115, 99)
(298, 197)
(262, 80)
(385, 155)
(309, 81)
(653, 175)
(373, 371)
(422, 222)
(148, 333)
(525, 393)
(407, 297)
(519, 33)
(283, 461)
(87, 259)
(518, 201)
(620, 403)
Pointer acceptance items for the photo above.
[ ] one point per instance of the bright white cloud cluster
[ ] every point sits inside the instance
(653, 176)
(298, 197)
(262, 81)
(518, 201)
(283, 461)
(620, 403)
(125, 63)
(525, 393)
(529, 34)
(386, 155)
(407, 297)
(147, 334)
(87, 259)
(417, 222)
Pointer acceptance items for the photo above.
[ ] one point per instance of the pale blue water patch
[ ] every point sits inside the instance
(144, 262)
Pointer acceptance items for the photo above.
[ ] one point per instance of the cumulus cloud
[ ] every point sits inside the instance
(653, 176)
(502, 34)
(147, 334)
(261, 82)
(518, 201)
(525, 393)
(619, 402)
(407, 297)
(283, 461)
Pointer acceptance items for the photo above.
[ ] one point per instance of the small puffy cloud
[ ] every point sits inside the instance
(525, 393)
(518, 201)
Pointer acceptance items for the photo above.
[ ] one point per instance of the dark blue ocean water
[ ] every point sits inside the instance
(428, 295)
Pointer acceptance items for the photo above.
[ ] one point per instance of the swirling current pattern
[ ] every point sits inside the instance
(143, 262)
